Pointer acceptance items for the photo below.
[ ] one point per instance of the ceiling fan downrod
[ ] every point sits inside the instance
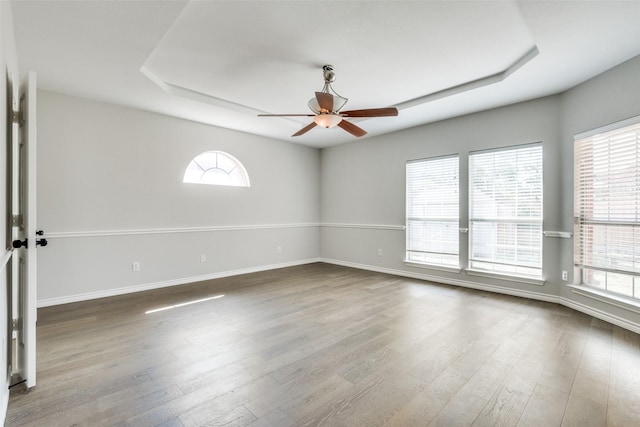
(339, 100)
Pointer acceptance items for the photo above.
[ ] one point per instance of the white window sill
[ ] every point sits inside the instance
(629, 304)
(432, 266)
(508, 277)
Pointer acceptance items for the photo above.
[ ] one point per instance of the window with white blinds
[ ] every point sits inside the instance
(433, 211)
(607, 210)
(505, 211)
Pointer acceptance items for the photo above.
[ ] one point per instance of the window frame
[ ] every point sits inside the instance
(591, 225)
(492, 266)
(438, 221)
(235, 176)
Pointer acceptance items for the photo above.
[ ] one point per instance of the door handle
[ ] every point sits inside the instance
(21, 243)
(25, 243)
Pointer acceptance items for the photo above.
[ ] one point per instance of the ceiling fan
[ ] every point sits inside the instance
(327, 105)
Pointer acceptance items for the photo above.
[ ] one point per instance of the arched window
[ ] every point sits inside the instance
(216, 168)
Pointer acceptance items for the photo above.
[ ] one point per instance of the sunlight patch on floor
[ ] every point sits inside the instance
(182, 304)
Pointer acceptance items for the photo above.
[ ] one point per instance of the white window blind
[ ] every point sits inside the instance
(505, 211)
(433, 211)
(607, 210)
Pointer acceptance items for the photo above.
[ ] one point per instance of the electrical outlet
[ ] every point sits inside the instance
(565, 275)
(379, 252)
(279, 249)
(135, 266)
(203, 258)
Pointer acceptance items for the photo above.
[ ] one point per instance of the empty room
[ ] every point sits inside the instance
(331, 213)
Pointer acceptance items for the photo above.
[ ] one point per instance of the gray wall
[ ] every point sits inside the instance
(110, 192)
(363, 185)
(610, 97)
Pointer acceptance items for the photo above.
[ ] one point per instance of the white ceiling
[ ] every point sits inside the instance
(222, 62)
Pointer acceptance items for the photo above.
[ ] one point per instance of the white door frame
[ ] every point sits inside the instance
(24, 233)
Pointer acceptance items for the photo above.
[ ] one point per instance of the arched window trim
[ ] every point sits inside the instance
(208, 168)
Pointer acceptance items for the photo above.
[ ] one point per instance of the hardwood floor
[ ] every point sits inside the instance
(328, 345)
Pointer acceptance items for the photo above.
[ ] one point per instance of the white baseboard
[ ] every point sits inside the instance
(166, 283)
(599, 314)
(455, 282)
(602, 315)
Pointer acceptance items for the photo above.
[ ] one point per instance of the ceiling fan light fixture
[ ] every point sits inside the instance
(338, 103)
(327, 120)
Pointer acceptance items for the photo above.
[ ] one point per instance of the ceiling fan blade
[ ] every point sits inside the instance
(305, 129)
(371, 112)
(325, 101)
(286, 115)
(352, 129)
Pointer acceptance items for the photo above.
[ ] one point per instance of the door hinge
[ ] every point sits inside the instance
(17, 117)
(15, 324)
(16, 220)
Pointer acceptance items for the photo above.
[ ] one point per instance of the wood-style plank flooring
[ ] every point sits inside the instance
(326, 345)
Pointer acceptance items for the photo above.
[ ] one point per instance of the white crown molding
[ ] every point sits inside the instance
(198, 96)
(195, 95)
(474, 84)
(184, 92)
